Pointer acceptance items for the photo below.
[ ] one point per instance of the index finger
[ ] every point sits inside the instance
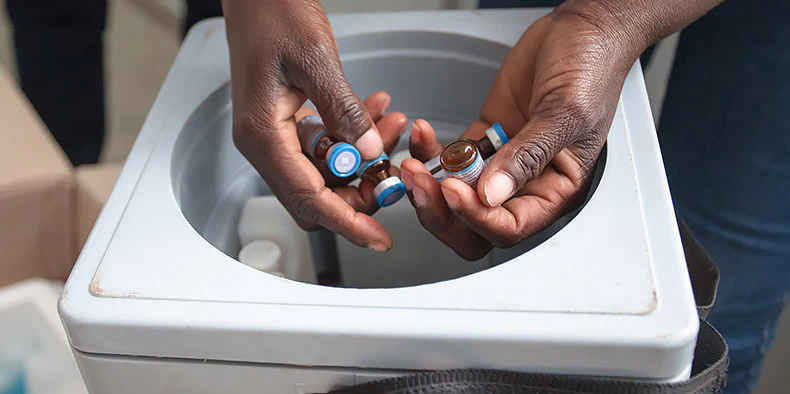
(535, 207)
(298, 184)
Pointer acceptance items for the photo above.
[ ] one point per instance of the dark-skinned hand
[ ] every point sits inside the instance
(283, 53)
(555, 95)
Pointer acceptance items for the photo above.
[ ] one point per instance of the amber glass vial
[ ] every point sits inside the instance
(462, 160)
(388, 188)
(487, 146)
(341, 158)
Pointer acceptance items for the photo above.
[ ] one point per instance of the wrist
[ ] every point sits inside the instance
(617, 30)
(270, 8)
(634, 25)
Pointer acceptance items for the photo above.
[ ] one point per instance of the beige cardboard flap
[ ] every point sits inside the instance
(94, 185)
(36, 235)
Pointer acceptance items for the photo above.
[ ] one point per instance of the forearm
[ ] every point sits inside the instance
(637, 24)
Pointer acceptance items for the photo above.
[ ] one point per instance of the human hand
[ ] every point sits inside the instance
(556, 95)
(391, 126)
(283, 53)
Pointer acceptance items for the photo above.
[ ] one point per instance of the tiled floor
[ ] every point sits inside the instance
(140, 50)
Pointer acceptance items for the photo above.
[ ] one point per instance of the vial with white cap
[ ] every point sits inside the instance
(341, 158)
(388, 188)
(487, 146)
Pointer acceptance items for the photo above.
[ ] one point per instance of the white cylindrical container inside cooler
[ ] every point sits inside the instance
(272, 242)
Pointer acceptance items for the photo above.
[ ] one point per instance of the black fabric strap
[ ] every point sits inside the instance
(708, 371)
(708, 377)
(703, 272)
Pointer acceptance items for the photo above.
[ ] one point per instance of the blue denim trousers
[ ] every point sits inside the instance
(725, 137)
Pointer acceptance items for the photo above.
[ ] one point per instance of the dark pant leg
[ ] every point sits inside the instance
(725, 136)
(197, 10)
(59, 57)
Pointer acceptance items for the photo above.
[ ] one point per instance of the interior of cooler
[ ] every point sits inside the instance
(443, 78)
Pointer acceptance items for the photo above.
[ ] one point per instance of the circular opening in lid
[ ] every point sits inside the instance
(443, 78)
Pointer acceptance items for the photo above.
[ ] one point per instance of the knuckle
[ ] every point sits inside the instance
(350, 113)
(506, 240)
(243, 130)
(306, 226)
(436, 224)
(471, 254)
(529, 160)
(514, 239)
(249, 123)
(305, 206)
(548, 208)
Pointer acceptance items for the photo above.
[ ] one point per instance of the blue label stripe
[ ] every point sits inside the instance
(467, 169)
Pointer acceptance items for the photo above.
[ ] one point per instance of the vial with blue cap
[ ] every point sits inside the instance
(388, 189)
(462, 160)
(340, 157)
(486, 147)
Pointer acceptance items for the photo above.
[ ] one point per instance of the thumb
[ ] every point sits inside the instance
(342, 111)
(520, 161)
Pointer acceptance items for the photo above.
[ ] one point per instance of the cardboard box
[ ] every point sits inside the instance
(35, 193)
(94, 185)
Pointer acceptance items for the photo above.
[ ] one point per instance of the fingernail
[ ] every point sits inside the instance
(378, 247)
(415, 134)
(403, 129)
(370, 145)
(498, 188)
(420, 197)
(387, 99)
(407, 177)
(452, 198)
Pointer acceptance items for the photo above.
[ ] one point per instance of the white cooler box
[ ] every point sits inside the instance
(158, 303)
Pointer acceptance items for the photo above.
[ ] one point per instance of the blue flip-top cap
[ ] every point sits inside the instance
(501, 133)
(343, 160)
(391, 194)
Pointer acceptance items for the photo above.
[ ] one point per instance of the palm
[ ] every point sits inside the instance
(546, 91)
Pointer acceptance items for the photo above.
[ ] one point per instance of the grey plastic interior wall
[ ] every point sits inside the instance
(443, 78)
